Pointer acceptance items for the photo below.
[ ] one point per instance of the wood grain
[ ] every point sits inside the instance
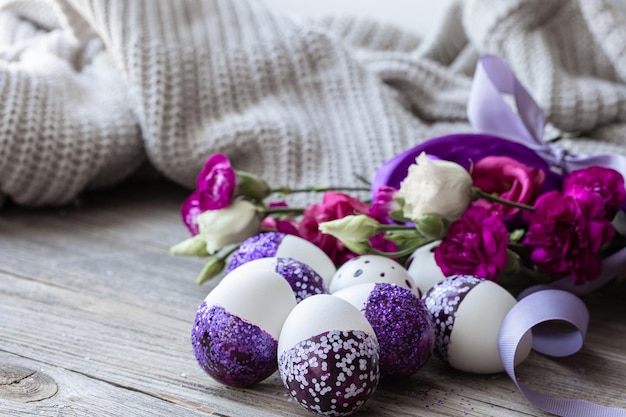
(91, 299)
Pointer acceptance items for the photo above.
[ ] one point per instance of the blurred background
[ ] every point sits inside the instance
(419, 16)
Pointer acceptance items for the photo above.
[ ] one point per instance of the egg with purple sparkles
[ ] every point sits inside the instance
(235, 334)
(302, 279)
(468, 313)
(366, 269)
(404, 327)
(328, 356)
(282, 245)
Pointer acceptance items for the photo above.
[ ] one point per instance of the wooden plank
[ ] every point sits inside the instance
(90, 295)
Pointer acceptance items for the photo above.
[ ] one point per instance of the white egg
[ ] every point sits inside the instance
(371, 269)
(468, 313)
(282, 245)
(423, 269)
(235, 334)
(404, 327)
(328, 356)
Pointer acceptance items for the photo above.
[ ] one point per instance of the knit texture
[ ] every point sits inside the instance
(90, 89)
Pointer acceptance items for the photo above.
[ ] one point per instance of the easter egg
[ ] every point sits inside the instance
(371, 269)
(302, 279)
(468, 313)
(282, 245)
(422, 267)
(328, 356)
(236, 329)
(403, 325)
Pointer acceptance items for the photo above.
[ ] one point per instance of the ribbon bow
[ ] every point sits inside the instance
(489, 113)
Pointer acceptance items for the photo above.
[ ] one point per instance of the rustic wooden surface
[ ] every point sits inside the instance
(95, 319)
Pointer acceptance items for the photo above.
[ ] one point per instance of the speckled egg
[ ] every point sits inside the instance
(282, 245)
(403, 325)
(468, 313)
(422, 267)
(328, 356)
(371, 269)
(236, 329)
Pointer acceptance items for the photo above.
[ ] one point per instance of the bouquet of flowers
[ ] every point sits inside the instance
(502, 206)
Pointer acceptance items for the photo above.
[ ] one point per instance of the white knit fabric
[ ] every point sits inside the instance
(91, 88)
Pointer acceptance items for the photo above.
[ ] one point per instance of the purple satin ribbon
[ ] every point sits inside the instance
(532, 312)
(489, 113)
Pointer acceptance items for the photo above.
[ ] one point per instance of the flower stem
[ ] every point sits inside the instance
(316, 189)
(283, 210)
(478, 193)
(399, 254)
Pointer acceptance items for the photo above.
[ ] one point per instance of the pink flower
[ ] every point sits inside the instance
(508, 178)
(606, 182)
(289, 225)
(335, 206)
(383, 204)
(476, 244)
(215, 189)
(565, 235)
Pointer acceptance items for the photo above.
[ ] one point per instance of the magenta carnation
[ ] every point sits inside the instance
(476, 244)
(215, 189)
(216, 183)
(565, 235)
(605, 182)
(510, 179)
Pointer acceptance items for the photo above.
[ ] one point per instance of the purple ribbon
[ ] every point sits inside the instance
(489, 113)
(531, 313)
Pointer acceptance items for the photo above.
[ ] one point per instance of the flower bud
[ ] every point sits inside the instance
(353, 228)
(251, 186)
(432, 226)
(214, 266)
(194, 246)
(232, 224)
(435, 186)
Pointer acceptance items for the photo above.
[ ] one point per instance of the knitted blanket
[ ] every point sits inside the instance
(92, 89)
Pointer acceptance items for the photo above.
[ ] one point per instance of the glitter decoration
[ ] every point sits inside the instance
(443, 301)
(304, 281)
(332, 374)
(231, 350)
(263, 245)
(404, 327)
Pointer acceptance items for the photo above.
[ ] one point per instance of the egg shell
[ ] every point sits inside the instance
(404, 327)
(302, 279)
(282, 245)
(235, 334)
(468, 314)
(422, 267)
(328, 356)
(371, 269)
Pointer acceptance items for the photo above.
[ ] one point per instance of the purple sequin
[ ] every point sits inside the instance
(231, 350)
(404, 327)
(332, 374)
(263, 245)
(443, 301)
(304, 281)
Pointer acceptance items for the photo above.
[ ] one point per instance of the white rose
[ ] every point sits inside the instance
(232, 224)
(435, 187)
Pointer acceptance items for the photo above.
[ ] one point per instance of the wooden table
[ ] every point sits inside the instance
(96, 318)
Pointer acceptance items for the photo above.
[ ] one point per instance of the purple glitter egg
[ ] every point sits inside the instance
(328, 356)
(468, 313)
(443, 301)
(403, 325)
(332, 374)
(282, 245)
(231, 350)
(304, 281)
